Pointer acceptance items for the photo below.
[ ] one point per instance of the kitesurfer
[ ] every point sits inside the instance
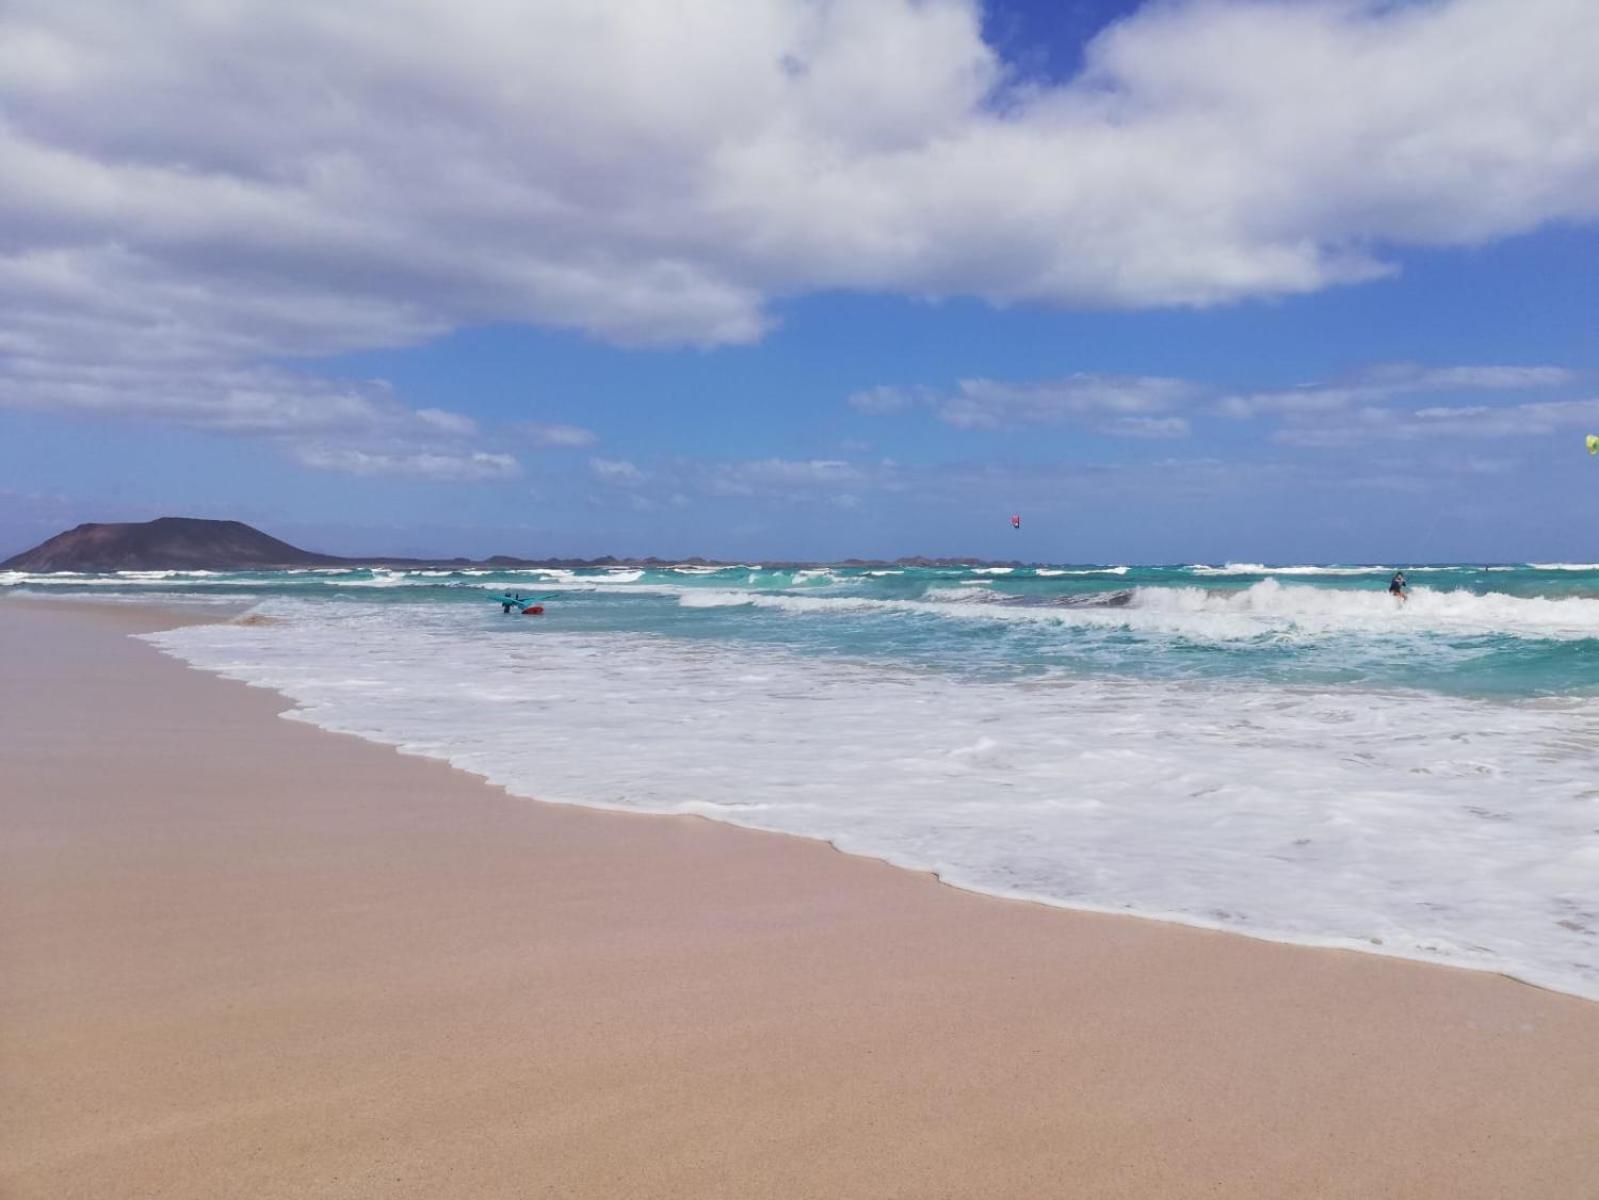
(509, 602)
(1397, 587)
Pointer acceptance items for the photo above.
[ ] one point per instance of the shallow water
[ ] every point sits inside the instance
(1285, 752)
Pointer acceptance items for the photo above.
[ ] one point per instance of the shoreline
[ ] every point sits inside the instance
(1526, 971)
(740, 1012)
(1341, 945)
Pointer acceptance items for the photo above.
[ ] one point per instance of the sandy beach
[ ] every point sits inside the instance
(241, 957)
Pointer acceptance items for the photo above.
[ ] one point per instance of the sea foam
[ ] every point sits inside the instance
(1432, 826)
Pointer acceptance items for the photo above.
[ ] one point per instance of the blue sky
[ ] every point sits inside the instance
(1160, 303)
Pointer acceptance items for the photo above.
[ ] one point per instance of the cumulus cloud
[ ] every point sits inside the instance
(189, 189)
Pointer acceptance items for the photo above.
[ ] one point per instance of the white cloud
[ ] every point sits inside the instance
(452, 423)
(1389, 381)
(1371, 424)
(886, 398)
(356, 426)
(1148, 427)
(677, 481)
(187, 189)
(557, 436)
(780, 476)
(1119, 405)
(463, 466)
(616, 471)
(986, 404)
(1042, 483)
(1373, 405)
(1319, 414)
(221, 398)
(1309, 398)
(1501, 378)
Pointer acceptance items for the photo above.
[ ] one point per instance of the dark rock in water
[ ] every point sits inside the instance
(166, 544)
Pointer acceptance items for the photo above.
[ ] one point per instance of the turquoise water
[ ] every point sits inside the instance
(1468, 630)
(1283, 752)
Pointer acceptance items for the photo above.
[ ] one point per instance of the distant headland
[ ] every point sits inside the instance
(198, 544)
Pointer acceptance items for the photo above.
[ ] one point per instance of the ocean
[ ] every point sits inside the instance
(1284, 752)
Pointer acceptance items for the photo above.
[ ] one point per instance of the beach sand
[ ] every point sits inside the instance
(240, 957)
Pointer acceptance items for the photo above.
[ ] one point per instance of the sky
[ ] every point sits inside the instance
(1183, 280)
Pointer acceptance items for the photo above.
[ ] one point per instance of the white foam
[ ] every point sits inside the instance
(709, 598)
(1449, 829)
(558, 574)
(166, 574)
(1293, 612)
(167, 599)
(970, 591)
(382, 577)
(808, 576)
(121, 580)
(1262, 569)
(1272, 607)
(1049, 572)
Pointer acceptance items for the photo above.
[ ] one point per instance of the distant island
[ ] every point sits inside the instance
(167, 543)
(198, 544)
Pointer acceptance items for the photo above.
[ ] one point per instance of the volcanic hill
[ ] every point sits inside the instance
(165, 544)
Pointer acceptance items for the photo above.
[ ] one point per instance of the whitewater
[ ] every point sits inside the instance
(1284, 752)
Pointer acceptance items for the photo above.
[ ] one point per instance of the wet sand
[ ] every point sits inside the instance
(241, 957)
